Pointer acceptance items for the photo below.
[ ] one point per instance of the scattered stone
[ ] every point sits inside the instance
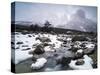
(19, 42)
(43, 39)
(24, 45)
(29, 36)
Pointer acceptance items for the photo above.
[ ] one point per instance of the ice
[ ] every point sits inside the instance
(87, 65)
(39, 63)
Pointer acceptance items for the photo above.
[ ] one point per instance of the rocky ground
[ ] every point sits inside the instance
(40, 52)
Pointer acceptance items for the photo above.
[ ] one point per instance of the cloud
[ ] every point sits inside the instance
(79, 21)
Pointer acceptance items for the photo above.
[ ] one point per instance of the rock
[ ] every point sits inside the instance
(73, 49)
(39, 50)
(89, 49)
(38, 64)
(12, 42)
(24, 45)
(63, 60)
(79, 54)
(19, 42)
(45, 44)
(86, 65)
(79, 62)
(65, 42)
(94, 65)
(43, 39)
(29, 36)
(34, 59)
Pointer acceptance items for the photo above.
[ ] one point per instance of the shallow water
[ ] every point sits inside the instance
(24, 66)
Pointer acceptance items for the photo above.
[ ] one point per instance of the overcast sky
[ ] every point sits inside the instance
(57, 14)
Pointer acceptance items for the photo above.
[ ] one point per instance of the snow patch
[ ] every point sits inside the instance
(39, 63)
(87, 65)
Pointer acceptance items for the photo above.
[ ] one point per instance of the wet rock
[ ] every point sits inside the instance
(45, 44)
(34, 59)
(43, 39)
(12, 42)
(19, 42)
(73, 49)
(88, 51)
(29, 36)
(79, 62)
(39, 50)
(79, 54)
(94, 65)
(63, 60)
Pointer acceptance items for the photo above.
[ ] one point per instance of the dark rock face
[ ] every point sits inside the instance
(80, 62)
(39, 50)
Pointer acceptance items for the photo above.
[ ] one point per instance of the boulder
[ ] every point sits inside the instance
(39, 50)
(79, 54)
(63, 60)
(79, 62)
